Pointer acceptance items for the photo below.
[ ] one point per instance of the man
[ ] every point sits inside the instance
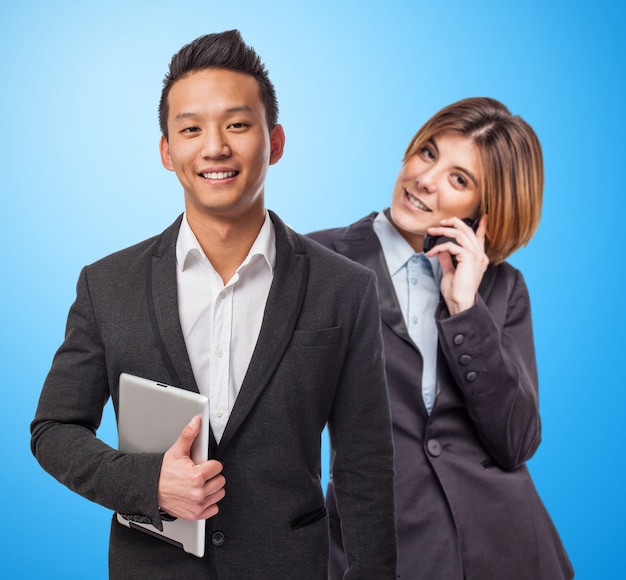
(282, 335)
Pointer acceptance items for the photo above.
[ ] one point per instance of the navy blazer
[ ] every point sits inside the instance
(466, 506)
(318, 361)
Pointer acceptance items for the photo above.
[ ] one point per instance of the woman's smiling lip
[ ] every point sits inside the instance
(416, 202)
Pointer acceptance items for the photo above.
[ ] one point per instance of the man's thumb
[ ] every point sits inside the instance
(188, 435)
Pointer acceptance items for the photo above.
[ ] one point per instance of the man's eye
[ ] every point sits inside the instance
(191, 129)
(237, 125)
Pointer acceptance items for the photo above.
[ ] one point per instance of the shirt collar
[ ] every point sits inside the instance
(396, 249)
(187, 245)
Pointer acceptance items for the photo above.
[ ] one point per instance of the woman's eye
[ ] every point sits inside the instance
(427, 153)
(460, 180)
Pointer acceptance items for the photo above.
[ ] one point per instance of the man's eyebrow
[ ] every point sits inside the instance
(185, 115)
(229, 111)
(240, 109)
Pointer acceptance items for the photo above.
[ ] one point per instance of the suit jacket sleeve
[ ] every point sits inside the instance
(69, 413)
(491, 355)
(360, 433)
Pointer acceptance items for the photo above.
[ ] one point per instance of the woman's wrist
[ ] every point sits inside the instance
(456, 307)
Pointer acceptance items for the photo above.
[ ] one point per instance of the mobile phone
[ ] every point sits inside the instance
(431, 241)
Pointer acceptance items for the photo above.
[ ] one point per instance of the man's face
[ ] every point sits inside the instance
(219, 144)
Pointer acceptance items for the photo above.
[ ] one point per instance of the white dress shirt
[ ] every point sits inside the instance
(416, 282)
(221, 322)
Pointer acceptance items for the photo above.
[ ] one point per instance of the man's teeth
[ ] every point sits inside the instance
(417, 203)
(219, 174)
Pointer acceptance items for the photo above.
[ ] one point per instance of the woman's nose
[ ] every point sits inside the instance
(426, 181)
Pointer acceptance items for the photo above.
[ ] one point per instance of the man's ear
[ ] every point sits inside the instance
(166, 159)
(277, 143)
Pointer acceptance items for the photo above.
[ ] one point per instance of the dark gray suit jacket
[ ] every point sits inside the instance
(466, 506)
(318, 360)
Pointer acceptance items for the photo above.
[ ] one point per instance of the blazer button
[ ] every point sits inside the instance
(471, 376)
(465, 359)
(217, 539)
(434, 447)
(459, 339)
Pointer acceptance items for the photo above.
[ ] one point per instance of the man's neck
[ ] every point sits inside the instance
(226, 243)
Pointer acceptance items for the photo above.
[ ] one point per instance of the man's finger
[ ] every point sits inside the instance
(188, 435)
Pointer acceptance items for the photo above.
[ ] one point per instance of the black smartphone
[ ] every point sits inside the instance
(431, 241)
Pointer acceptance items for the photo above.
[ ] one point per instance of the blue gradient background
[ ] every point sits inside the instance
(80, 177)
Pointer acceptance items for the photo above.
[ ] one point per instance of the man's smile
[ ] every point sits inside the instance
(219, 174)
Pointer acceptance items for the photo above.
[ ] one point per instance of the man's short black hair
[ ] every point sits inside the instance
(223, 50)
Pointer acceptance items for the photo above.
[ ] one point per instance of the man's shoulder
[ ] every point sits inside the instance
(139, 252)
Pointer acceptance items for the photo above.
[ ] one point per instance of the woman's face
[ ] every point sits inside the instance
(440, 180)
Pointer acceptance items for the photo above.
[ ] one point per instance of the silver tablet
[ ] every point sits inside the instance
(151, 418)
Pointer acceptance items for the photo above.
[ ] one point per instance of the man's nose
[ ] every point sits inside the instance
(215, 144)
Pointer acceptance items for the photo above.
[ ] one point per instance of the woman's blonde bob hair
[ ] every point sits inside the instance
(511, 166)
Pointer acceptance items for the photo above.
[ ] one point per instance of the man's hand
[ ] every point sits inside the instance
(187, 490)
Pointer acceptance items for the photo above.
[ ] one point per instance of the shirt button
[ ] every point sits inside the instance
(471, 376)
(434, 447)
(219, 353)
(465, 359)
(459, 339)
(414, 319)
(413, 280)
(219, 413)
(217, 539)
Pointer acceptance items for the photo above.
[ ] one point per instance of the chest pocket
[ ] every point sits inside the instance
(320, 337)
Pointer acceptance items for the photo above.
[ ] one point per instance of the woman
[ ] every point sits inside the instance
(459, 350)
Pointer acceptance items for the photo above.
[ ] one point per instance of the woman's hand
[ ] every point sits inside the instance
(459, 285)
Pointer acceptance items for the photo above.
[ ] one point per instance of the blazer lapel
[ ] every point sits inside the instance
(361, 244)
(163, 309)
(281, 314)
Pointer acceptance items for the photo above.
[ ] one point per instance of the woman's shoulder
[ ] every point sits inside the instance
(503, 281)
(362, 228)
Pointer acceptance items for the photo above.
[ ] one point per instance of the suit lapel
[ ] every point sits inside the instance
(281, 314)
(361, 244)
(163, 309)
